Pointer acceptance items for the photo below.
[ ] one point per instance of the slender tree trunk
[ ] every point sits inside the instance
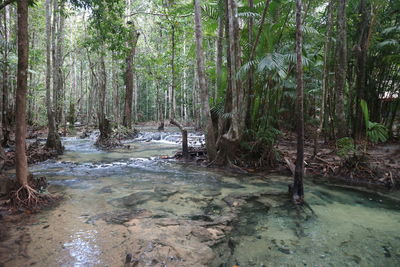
(250, 78)
(20, 112)
(234, 129)
(325, 80)
(102, 97)
(129, 78)
(341, 67)
(218, 72)
(250, 92)
(173, 76)
(59, 57)
(54, 59)
(135, 97)
(5, 102)
(361, 56)
(53, 139)
(298, 190)
(206, 115)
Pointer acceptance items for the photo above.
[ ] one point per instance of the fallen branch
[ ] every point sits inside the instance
(290, 164)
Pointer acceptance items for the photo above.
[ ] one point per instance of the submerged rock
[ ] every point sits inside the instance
(137, 198)
(106, 190)
(120, 216)
(165, 190)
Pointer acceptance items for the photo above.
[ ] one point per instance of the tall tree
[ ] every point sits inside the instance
(53, 138)
(104, 124)
(129, 75)
(4, 99)
(206, 115)
(218, 63)
(172, 106)
(298, 190)
(341, 67)
(361, 50)
(25, 192)
(325, 79)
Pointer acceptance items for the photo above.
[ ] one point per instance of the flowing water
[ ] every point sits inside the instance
(168, 213)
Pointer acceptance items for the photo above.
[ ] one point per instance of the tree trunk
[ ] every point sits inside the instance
(53, 139)
(325, 80)
(172, 105)
(5, 102)
(250, 78)
(185, 148)
(233, 132)
(54, 60)
(21, 162)
(59, 58)
(361, 55)
(218, 64)
(341, 67)
(129, 79)
(298, 190)
(206, 115)
(104, 124)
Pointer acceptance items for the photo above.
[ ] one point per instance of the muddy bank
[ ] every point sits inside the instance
(379, 166)
(36, 152)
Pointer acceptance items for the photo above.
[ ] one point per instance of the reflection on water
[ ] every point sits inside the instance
(83, 248)
(104, 190)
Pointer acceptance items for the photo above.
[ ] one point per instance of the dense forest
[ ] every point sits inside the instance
(233, 71)
(308, 86)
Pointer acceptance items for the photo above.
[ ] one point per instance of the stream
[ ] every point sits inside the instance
(133, 205)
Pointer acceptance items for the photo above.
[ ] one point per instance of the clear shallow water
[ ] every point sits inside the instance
(94, 224)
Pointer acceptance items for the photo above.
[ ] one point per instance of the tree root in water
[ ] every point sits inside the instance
(28, 197)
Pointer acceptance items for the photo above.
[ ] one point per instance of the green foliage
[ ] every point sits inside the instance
(345, 147)
(376, 132)
(268, 136)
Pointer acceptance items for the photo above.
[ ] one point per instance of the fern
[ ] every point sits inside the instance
(376, 132)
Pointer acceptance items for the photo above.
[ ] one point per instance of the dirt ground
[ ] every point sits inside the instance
(380, 164)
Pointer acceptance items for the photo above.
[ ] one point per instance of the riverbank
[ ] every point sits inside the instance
(162, 211)
(379, 165)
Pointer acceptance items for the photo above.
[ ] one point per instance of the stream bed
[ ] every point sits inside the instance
(130, 205)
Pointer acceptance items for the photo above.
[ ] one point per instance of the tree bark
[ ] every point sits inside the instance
(59, 58)
(341, 68)
(185, 148)
(218, 64)
(129, 78)
(54, 58)
(325, 79)
(206, 115)
(104, 124)
(53, 139)
(5, 102)
(21, 162)
(298, 190)
(172, 105)
(361, 56)
(250, 78)
(233, 133)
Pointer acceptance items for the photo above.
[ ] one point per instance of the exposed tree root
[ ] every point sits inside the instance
(108, 143)
(28, 196)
